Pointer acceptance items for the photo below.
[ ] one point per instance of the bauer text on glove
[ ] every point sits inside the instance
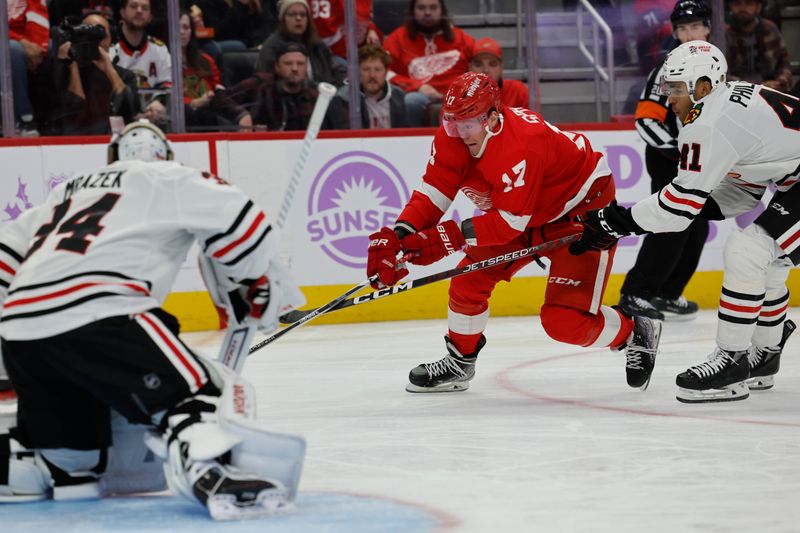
(384, 246)
(428, 246)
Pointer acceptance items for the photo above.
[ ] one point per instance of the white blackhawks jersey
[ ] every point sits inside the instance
(738, 140)
(110, 242)
(151, 62)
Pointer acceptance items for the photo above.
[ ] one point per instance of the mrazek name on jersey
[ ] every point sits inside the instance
(99, 180)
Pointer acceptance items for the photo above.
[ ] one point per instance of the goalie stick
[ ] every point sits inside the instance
(326, 92)
(292, 317)
(239, 335)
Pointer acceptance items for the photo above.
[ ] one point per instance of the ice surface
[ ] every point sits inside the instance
(548, 438)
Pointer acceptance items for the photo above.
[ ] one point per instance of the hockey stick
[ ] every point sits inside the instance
(326, 92)
(314, 313)
(239, 335)
(292, 317)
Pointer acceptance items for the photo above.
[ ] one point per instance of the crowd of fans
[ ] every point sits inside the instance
(79, 66)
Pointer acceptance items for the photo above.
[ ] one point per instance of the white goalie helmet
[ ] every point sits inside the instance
(140, 141)
(692, 61)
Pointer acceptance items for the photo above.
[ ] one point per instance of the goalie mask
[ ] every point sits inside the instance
(689, 63)
(140, 141)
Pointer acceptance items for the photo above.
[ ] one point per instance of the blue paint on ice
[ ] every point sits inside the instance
(317, 512)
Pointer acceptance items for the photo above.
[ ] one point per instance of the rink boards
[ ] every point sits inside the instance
(353, 183)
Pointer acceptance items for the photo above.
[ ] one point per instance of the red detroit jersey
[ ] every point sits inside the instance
(531, 173)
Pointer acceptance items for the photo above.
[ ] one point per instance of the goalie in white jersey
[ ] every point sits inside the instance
(737, 139)
(82, 280)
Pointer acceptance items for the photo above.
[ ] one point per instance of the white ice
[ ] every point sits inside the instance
(548, 438)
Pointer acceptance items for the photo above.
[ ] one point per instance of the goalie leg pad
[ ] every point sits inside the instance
(132, 466)
(217, 455)
(63, 474)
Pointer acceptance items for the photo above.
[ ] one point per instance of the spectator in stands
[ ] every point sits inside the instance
(29, 34)
(655, 36)
(487, 58)
(294, 25)
(328, 16)
(88, 93)
(284, 99)
(60, 10)
(145, 55)
(237, 24)
(428, 52)
(207, 102)
(382, 104)
(756, 50)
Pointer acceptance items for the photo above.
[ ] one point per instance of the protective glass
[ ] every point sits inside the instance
(465, 128)
(673, 88)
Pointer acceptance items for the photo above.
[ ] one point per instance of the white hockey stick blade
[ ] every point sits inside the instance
(236, 345)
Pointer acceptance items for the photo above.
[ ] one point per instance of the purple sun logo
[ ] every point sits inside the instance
(353, 195)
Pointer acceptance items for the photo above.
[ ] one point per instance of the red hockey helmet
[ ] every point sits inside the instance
(472, 95)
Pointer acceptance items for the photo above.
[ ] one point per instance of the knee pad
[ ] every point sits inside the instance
(204, 429)
(132, 466)
(63, 474)
(568, 325)
(747, 256)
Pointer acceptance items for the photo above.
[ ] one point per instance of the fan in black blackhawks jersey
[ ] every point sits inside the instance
(82, 279)
(737, 139)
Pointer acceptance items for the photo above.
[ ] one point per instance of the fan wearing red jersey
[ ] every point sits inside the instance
(531, 181)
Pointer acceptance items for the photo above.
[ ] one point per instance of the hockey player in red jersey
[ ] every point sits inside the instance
(531, 180)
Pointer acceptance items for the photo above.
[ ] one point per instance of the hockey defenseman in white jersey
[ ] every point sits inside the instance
(83, 279)
(737, 139)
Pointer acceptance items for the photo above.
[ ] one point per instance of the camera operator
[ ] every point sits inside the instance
(90, 87)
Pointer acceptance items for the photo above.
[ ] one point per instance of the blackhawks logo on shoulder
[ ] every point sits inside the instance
(693, 113)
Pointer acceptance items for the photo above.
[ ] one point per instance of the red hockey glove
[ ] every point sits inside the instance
(382, 258)
(428, 246)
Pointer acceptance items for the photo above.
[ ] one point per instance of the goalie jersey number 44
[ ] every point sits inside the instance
(110, 242)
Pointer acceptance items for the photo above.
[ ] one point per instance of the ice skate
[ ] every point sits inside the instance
(229, 495)
(721, 379)
(640, 351)
(451, 373)
(677, 310)
(636, 306)
(765, 361)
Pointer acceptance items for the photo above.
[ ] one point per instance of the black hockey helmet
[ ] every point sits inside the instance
(690, 11)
